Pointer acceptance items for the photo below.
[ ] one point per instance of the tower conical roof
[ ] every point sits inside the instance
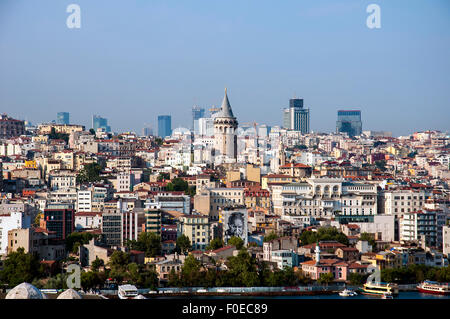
(226, 107)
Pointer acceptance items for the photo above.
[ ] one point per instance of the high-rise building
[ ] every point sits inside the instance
(197, 113)
(349, 121)
(225, 125)
(296, 117)
(100, 122)
(164, 125)
(59, 218)
(62, 118)
(147, 131)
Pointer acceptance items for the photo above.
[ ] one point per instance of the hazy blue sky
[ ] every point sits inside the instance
(133, 60)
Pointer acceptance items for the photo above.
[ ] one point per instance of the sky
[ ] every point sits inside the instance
(136, 59)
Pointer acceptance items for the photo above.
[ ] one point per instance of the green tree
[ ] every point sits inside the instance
(242, 270)
(236, 241)
(356, 278)
(178, 184)
(270, 236)
(369, 238)
(89, 173)
(20, 267)
(174, 279)
(190, 272)
(325, 278)
(214, 244)
(163, 176)
(323, 234)
(58, 136)
(92, 131)
(76, 239)
(183, 244)
(148, 242)
(97, 263)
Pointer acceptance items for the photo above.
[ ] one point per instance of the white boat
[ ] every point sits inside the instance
(387, 295)
(127, 292)
(347, 293)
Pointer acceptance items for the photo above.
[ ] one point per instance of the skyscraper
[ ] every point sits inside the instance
(296, 117)
(62, 118)
(164, 125)
(349, 121)
(100, 122)
(197, 113)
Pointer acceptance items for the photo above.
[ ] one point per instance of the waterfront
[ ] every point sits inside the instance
(402, 295)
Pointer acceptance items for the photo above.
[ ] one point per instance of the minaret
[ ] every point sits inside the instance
(225, 125)
(317, 251)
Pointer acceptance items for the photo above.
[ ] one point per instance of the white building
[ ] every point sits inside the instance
(14, 220)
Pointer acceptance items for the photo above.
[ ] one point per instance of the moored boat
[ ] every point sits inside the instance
(379, 288)
(347, 293)
(433, 287)
(127, 292)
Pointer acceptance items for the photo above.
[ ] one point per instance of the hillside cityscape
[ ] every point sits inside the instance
(221, 207)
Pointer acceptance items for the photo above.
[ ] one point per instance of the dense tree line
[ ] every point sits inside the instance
(323, 234)
(415, 274)
(241, 271)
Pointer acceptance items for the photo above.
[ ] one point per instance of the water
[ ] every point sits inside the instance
(401, 295)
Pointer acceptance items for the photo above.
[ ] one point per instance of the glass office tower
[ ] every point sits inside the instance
(296, 117)
(197, 113)
(164, 125)
(349, 121)
(62, 118)
(100, 122)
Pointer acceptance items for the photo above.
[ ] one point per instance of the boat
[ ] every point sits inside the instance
(127, 292)
(434, 287)
(347, 293)
(387, 296)
(379, 288)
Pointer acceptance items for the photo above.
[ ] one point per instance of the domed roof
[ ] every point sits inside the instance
(25, 291)
(70, 294)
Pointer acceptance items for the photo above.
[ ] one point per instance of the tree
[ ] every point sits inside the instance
(214, 244)
(356, 278)
(89, 173)
(58, 136)
(322, 234)
(163, 176)
(97, 263)
(242, 270)
(75, 239)
(381, 165)
(183, 244)
(20, 267)
(369, 238)
(236, 241)
(150, 243)
(325, 278)
(178, 184)
(92, 131)
(190, 272)
(270, 237)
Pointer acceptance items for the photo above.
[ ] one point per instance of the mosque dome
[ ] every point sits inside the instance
(25, 291)
(70, 294)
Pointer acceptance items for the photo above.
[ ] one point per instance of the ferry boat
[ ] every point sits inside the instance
(127, 292)
(434, 287)
(379, 288)
(347, 293)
